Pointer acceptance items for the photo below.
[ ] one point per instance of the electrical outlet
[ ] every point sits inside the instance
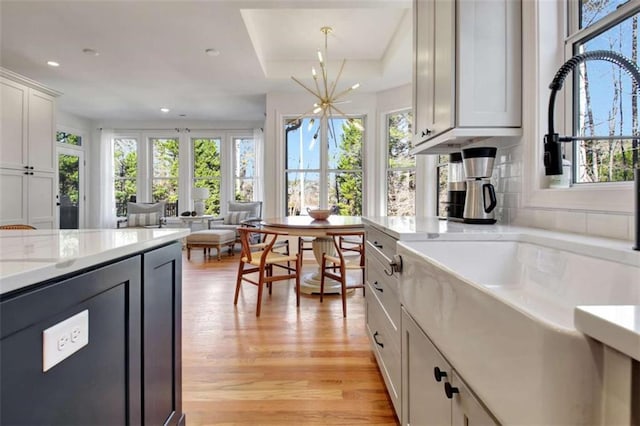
(65, 338)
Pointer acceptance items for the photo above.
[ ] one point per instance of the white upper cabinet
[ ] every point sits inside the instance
(467, 72)
(27, 152)
(27, 115)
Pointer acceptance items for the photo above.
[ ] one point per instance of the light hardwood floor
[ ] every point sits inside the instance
(287, 367)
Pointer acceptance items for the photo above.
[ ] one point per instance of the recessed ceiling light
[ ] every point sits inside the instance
(212, 52)
(165, 110)
(90, 52)
(53, 64)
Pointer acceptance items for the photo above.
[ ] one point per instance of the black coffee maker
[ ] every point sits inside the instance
(457, 187)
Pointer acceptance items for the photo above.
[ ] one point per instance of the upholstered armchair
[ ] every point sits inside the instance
(149, 215)
(238, 213)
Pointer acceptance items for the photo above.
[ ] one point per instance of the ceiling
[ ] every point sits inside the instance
(152, 53)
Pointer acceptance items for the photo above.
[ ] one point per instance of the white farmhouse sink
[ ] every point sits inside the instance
(501, 312)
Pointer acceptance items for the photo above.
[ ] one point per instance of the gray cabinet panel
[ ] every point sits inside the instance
(162, 289)
(93, 385)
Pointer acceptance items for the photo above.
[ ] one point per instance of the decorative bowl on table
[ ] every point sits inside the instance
(319, 214)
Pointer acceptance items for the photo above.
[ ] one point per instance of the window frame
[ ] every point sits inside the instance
(545, 40)
(388, 169)
(575, 36)
(186, 161)
(324, 171)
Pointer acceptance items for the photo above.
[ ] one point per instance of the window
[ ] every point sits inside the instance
(125, 166)
(164, 182)
(442, 193)
(324, 165)
(207, 171)
(68, 138)
(604, 105)
(245, 169)
(401, 165)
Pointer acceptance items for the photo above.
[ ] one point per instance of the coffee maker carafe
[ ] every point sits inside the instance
(480, 201)
(456, 187)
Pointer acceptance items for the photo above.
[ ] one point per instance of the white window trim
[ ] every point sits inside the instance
(384, 163)
(544, 25)
(280, 163)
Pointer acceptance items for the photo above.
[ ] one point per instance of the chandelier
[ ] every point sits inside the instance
(326, 98)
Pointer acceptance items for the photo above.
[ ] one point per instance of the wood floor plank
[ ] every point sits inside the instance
(306, 366)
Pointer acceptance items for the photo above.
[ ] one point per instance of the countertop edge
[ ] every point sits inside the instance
(50, 270)
(588, 320)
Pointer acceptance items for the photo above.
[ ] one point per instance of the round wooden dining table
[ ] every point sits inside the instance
(305, 226)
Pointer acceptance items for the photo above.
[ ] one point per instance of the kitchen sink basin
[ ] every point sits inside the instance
(501, 312)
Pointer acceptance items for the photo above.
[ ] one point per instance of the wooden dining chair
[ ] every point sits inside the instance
(260, 258)
(336, 266)
(17, 226)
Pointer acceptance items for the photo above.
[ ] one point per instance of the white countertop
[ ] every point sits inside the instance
(615, 326)
(30, 257)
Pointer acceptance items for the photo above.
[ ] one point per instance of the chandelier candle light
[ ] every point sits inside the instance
(324, 91)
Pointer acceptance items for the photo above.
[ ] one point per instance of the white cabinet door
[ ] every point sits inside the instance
(434, 68)
(13, 196)
(467, 410)
(489, 65)
(42, 132)
(423, 45)
(42, 208)
(13, 124)
(424, 402)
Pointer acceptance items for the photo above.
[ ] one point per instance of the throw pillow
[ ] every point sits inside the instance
(143, 219)
(235, 218)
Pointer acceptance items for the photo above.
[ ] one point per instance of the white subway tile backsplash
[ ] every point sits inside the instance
(571, 221)
(608, 225)
(507, 179)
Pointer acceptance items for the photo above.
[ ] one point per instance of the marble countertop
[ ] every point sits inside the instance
(615, 326)
(30, 257)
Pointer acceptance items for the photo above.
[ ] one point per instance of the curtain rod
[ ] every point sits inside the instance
(179, 129)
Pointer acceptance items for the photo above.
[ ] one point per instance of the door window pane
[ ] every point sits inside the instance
(125, 166)
(207, 171)
(69, 189)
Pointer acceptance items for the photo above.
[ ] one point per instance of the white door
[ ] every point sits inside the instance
(71, 199)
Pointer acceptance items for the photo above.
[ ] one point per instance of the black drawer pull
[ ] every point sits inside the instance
(450, 390)
(439, 374)
(375, 285)
(377, 245)
(375, 338)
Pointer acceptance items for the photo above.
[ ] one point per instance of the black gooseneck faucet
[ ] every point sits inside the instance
(552, 150)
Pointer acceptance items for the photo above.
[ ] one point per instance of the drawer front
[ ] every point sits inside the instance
(385, 289)
(385, 341)
(382, 242)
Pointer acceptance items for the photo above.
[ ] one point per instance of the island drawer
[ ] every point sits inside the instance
(385, 289)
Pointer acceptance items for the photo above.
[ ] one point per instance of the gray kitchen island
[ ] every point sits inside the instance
(90, 327)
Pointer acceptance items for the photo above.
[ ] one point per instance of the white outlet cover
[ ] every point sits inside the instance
(52, 354)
